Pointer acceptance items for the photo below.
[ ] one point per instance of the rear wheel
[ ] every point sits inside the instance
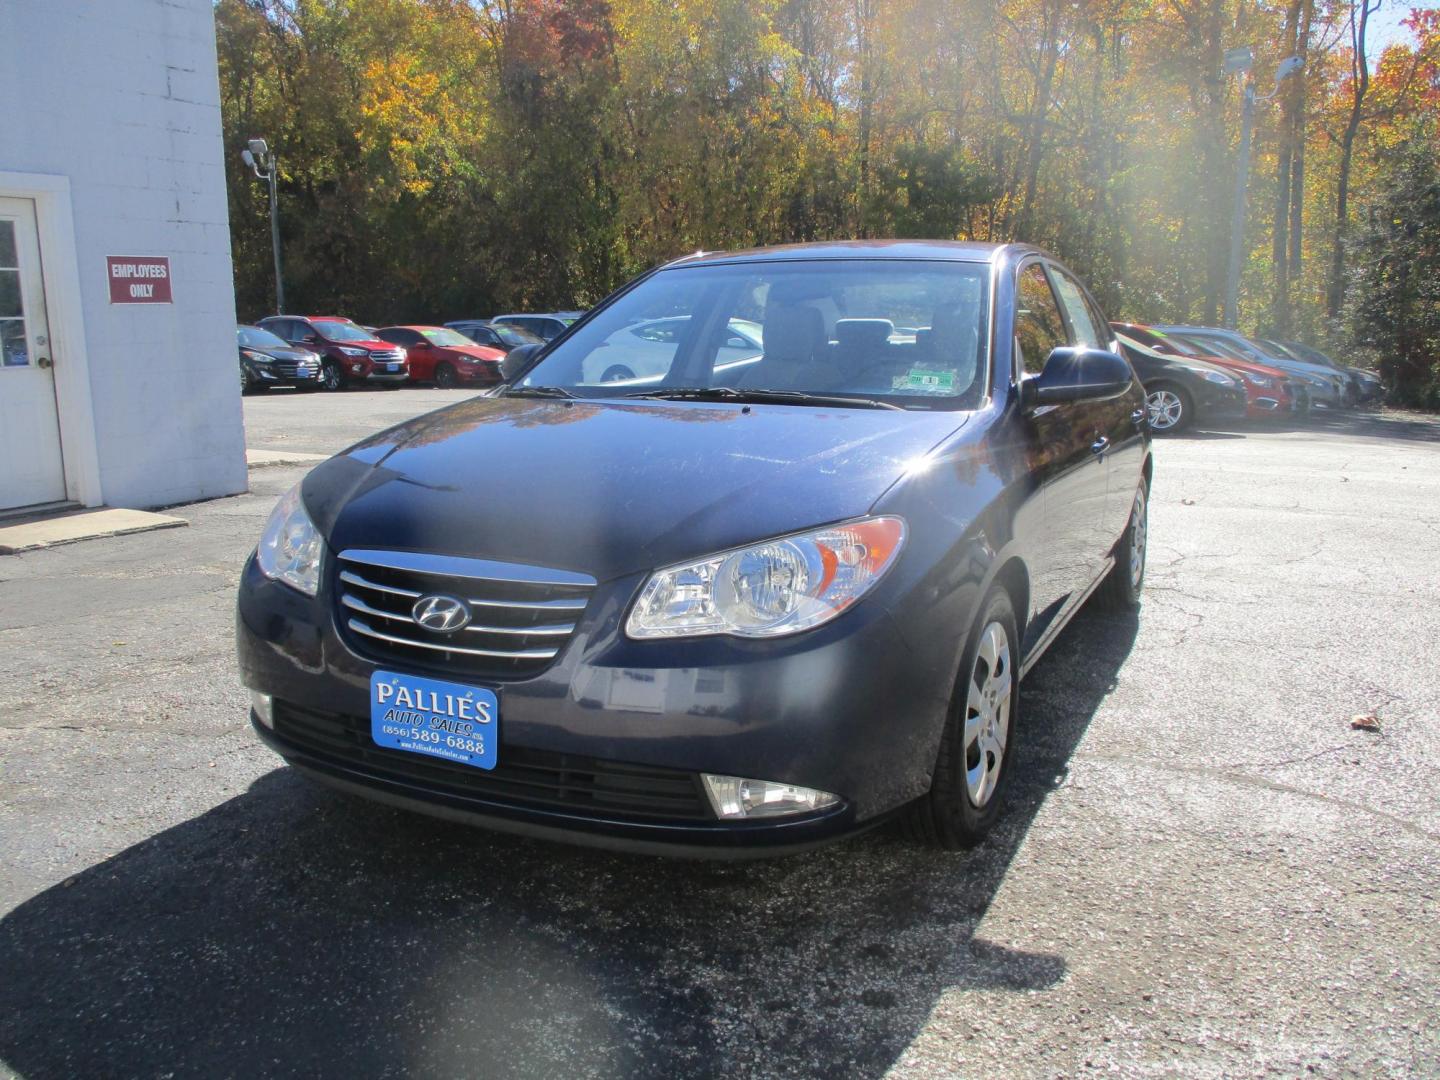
(445, 377)
(616, 373)
(1121, 589)
(972, 766)
(1169, 408)
(331, 377)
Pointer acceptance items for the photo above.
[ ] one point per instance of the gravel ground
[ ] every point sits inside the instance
(1205, 869)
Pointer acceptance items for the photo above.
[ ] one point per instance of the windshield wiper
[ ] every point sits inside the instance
(537, 391)
(762, 397)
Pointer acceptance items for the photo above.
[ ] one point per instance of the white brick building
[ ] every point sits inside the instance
(110, 149)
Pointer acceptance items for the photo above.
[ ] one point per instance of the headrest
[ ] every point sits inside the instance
(793, 333)
(863, 333)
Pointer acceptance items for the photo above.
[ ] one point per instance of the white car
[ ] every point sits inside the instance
(643, 351)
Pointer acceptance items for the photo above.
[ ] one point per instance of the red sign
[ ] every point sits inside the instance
(138, 279)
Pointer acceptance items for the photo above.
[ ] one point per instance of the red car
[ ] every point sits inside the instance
(444, 356)
(348, 352)
(1269, 391)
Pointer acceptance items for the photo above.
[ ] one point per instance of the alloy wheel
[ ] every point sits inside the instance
(987, 714)
(1166, 409)
(330, 376)
(445, 376)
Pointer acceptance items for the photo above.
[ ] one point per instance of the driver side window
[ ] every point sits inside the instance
(1038, 326)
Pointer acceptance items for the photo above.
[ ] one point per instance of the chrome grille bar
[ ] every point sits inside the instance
(508, 654)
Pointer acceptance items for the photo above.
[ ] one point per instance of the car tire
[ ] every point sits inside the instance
(446, 377)
(247, 384)
(972, 767)
(615, 373)
(1120, 592)
(1169, 408)
(331, 377)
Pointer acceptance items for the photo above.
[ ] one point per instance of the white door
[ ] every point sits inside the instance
(31, 469)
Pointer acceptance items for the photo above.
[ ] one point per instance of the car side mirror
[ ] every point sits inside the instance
(517, 360)
(1077, 375)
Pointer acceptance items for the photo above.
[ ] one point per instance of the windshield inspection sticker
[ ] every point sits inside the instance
(935, 382)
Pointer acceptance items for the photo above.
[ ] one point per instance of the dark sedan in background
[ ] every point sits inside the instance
(266, 361)
(1181, 393)
(498, 336)
(733, 609)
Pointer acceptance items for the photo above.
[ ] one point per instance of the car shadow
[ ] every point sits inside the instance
(291, 931)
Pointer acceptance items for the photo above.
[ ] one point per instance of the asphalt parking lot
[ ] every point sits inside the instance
(1205, 869)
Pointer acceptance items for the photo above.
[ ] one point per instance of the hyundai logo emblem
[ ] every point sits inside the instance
(442, 614)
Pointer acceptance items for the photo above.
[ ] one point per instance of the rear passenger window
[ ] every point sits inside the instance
(1038, 326)
(1087, 333)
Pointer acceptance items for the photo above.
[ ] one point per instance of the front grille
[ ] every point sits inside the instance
(296, 369)
(520, 617)
(522, 777)
(387, 356)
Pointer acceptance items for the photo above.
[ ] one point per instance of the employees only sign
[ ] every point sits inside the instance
(138, 279)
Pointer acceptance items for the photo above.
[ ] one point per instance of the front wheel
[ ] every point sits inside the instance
(1169, 408)
(1121, 588)
(445, 377)
(331, 377)
(972, 766)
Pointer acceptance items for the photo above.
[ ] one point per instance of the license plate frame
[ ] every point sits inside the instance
(436, 718)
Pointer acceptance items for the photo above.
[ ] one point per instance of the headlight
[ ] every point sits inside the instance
(781, 586)
(1262, 381)
(290, 547)
(352, 352)
(1214, 376)
(260, 357)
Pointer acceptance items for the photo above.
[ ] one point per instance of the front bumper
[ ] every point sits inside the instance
(1216, 402)
(377, 376)
(850, 708)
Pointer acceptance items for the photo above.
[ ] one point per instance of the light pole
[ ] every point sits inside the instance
(1240, 60)
(258, 156)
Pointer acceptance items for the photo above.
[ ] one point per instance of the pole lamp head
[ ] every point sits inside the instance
(259, 148)
(248, 158)
(1292, 65)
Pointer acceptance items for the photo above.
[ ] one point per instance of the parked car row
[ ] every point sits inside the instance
(331, 352)
(1195, 374)
(1191, 374)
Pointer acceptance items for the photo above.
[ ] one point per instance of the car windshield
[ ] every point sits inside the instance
(513, 335)
(907, 333)
(252, 337)
(336, 330)
(1209, 346)
(440, 336)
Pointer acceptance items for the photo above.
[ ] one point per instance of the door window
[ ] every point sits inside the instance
(1082, 325)
(1038, 326)
(14, 352)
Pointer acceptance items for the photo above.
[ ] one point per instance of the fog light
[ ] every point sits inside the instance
(263, 706)
(737, 797)
(357, 367)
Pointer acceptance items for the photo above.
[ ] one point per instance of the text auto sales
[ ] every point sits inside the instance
(461, 714)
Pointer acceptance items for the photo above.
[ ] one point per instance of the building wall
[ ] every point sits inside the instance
(122, 97)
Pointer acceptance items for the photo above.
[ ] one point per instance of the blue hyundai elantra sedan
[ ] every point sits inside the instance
(766, 593)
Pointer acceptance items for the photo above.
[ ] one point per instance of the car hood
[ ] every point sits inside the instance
(287, 353)
(607, 488)
(474, 352)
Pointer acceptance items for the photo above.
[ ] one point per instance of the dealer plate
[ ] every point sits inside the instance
(435, 718)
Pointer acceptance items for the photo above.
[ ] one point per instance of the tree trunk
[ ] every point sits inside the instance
(1360, 82)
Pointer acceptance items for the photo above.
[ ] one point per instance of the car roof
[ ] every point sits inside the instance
(536, 315)
(931, 250)
(413, 326)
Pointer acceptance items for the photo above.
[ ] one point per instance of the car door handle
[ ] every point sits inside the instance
(1100, 445)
